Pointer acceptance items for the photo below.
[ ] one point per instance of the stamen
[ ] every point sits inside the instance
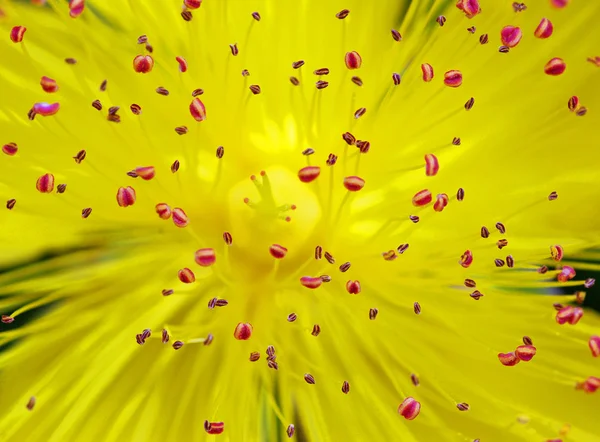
(409, 408)
(456, 141)
(504, 49)
(345, 387)
(17, 33)
(331, 159)
(544, 29)
(321, 71)
(290, 430)
(254, 356)
(501, 243)
(594, 344)
(45, 183)
(466, 259)
(197, 92)
(48, 85)
(357, 81)
(70, 61)
(316, 330)
(97, 105)
(11, 203)
(510, 36)
(417, 308)
(581, 111)
(396, 35)
(183, 66)
(485, 233)
(441, 20)
(396, 78)
(186, 276)
(342, 14)
(321, 84)
(234, 49)
(469, 104)
(167, 292)
(483, 39)
(162, 91)
(525, 352)
(309, 378)
(298, 64)
(414, 218)
(476, 295)
(567, 273)
(143, 64)
(325, 278)
(414, 379)
(432, 165)
(422, 198)
(86, 212)
(308, 151)
(390, 255)
(208, 340)
(187, 15)
(508, 359)
(126, 196)
(354, 183)
(177, 345)
(103, 85)
(353, 287)
(519, 7)
(373, 312)
(556, 252)
(472, 29)
(294, 81)
(45, 109)
(589, 283)
(353, 60)
(30, 403)
(175, 166)
(165, 336)
(277, 251)
(227, 238)
(292, 317)
(255, 88)
(463, 406)
(460, 194)
(76, 7)
(499, 262)
(197, 110)
(556, 66)
(205, 257)
(136, 109)
(510, 261)
(427, 70)
(402, 248)
(61, 188)
(180, 219)
(243, 331)
(360, 112)
(181, 130)
(553, 196)
(10, 149)
(311, 282)
(192, 4)
(453, 78)
(470, 7)
(309, 173)
(318, 252)
(441, 201)
(7, 319)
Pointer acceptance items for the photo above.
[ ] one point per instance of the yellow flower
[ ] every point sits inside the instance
(93, 273)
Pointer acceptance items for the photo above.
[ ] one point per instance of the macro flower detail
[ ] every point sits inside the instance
(336, 244)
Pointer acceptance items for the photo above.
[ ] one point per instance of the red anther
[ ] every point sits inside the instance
(510, 36)
(45, 183)
(86, 212)
(46, 109)
(594, 344)
(205, 257)
(198, 110)
(556, 252)
(17, 33)
(417, 308)
(243, 331)
(126, 196)
(321, 84)
(373, 312)
(456, 141)
(48, 84)
(255, 89)
(163, 210)
(542, 269)
(353, 60)
(573, 105)
(396, 78)
(460, 194)
(432, 165)
(180, 218)
(469, 7)
(290, 430)
(175, 166)
(146, 172)
(396, 35)
(76, 7)
(508, 359)
(390, 255)
(453, 78)
(309, 173)
(349, 138)
(354, 183)
(555, 66)
(143, 64)
(441, 20)
(311, 282)
(292, 317)
(525, 352)
(353, 287)
(357, 81)
(309, 378)
(186, 275)
(577, 314)
(409, 408)
(192, 4)
(510, 261)
(427, 70)
(565, 314)
(591, 384)
(342, 14)
(483, 39)
(463, 406)
(277, 251)
(7, 319)
(345, 387)
(589, 283)
(567, 273)
(422, 198)
(234, 49)
(470, 283)
(10, 204)
(360, 112)
(466, 259)
(183, 66)
(559, 3)
(441, 201)
(544, 29)
(414, 218)
(10, 149)
(316, 330)
(476, 295)
(579, 297)
(30, 403)
(557, 306)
